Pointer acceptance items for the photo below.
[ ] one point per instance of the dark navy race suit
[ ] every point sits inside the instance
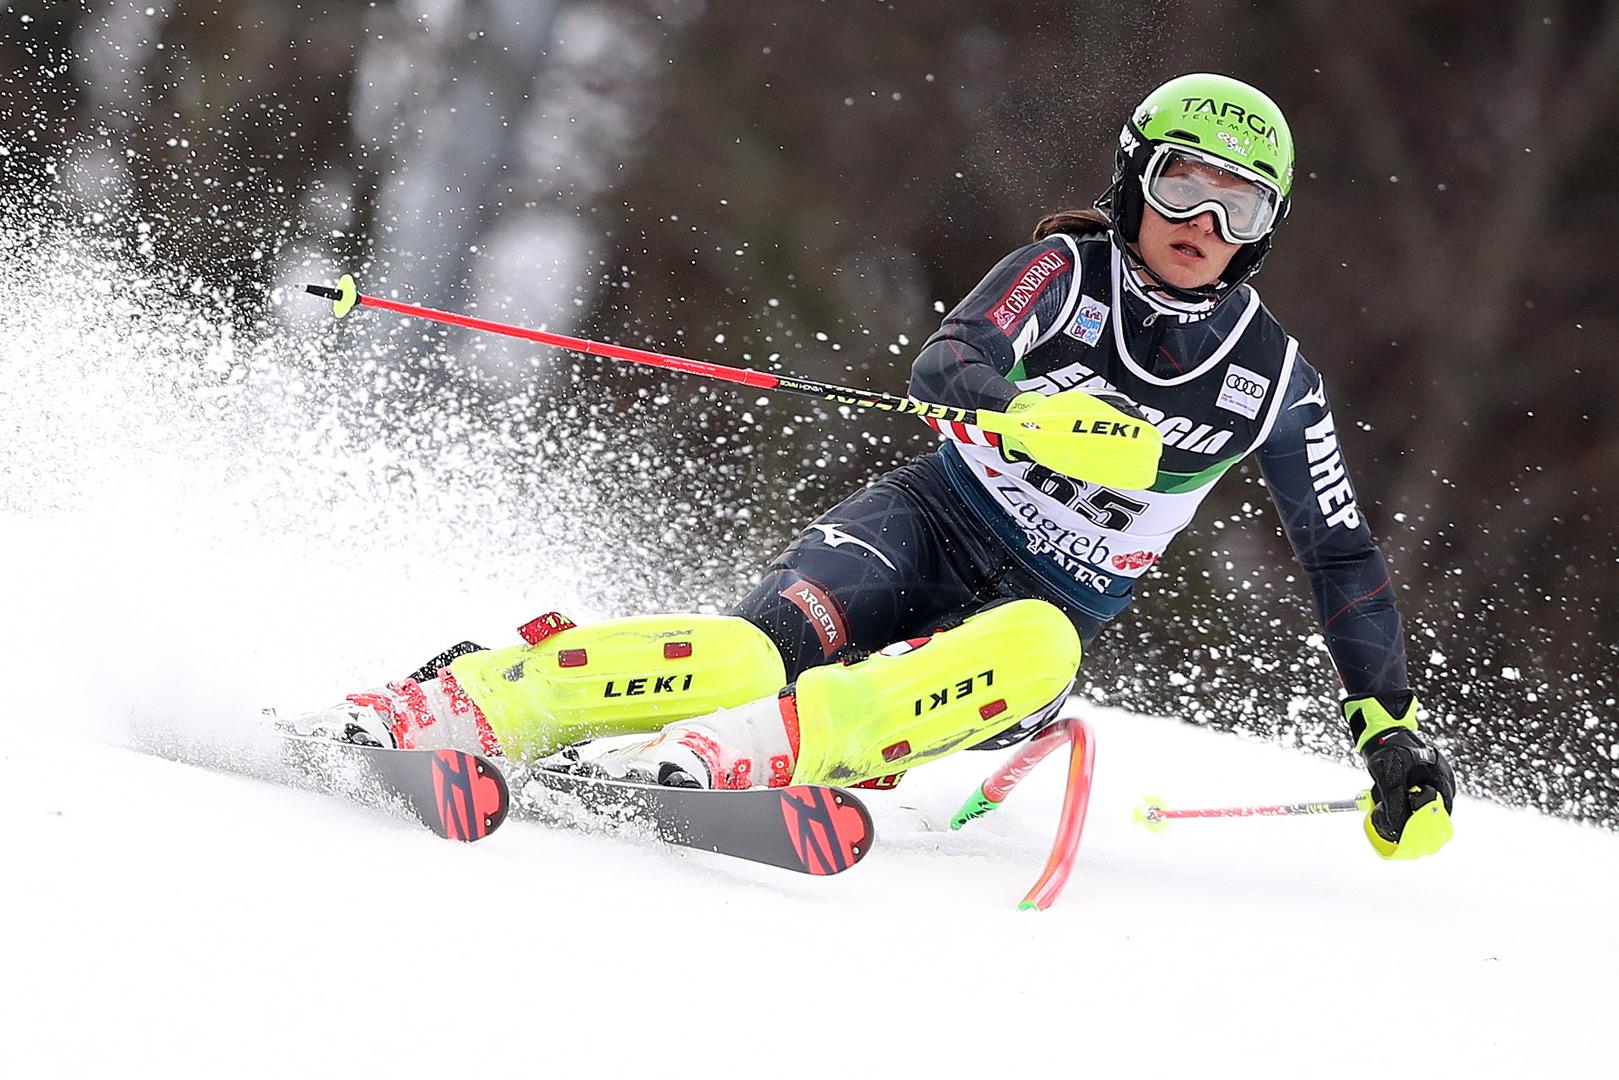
(961, 528)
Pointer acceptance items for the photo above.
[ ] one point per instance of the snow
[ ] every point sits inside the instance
(197, 921)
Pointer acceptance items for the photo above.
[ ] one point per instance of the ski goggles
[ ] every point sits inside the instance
(1181, 183)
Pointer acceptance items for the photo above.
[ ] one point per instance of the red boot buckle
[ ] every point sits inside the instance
(537, 630)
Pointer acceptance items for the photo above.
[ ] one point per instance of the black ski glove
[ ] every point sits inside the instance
(1413, 788)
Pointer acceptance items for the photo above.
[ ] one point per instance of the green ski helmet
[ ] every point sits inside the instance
(1214, 124)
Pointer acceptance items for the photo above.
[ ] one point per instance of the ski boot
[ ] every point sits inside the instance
(349, 722)
(425, 711)
(714, 751)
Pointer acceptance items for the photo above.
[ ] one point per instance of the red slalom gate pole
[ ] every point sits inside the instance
(345, 297)
(1077, 735)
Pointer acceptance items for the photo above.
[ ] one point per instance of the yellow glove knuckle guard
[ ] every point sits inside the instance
(1428, 829)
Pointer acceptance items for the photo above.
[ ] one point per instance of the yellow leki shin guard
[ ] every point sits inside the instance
(906, 706)
(617, 678)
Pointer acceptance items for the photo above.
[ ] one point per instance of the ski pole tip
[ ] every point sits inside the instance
(1150, 814)
(343, 298)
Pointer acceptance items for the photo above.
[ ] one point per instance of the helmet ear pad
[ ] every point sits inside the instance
(1123, 202)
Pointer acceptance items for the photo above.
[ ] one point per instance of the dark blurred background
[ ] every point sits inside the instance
(805, 186)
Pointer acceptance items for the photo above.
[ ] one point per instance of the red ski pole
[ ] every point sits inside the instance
(1089, 439)
(1154, 815)
(345, 297)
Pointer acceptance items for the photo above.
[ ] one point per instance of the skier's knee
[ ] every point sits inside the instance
(917, 701)
(617, 677)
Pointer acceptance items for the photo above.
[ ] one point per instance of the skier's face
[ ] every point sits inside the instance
(1188, 254)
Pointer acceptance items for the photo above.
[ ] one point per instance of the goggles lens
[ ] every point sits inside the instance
(1181, 184)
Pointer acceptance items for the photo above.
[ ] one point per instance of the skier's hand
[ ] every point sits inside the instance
(1413, 788)
(1012, 448)
(1102, 438)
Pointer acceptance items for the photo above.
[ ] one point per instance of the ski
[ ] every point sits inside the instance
(460, 796)
(806, 828)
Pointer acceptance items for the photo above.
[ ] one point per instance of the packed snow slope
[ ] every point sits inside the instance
(195, 524)
(171, 920)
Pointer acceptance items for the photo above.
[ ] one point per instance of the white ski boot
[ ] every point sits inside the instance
(347, 721)
(430, 714)
(748, 746)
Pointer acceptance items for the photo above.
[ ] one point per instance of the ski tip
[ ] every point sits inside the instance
(470, 796)
(494, 798)
(830, 829)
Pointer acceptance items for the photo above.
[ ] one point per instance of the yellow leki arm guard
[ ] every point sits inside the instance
(1079, 435)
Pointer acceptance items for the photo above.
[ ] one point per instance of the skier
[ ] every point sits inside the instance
(947, 605)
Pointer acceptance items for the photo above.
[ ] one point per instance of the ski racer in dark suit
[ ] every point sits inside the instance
(947, 605)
